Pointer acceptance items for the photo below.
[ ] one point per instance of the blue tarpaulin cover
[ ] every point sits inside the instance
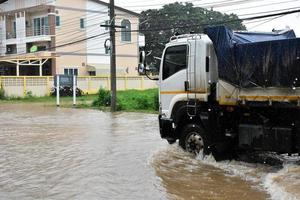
(250, 59)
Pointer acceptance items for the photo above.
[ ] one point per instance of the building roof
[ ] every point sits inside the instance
(28, 56)
(117, 7)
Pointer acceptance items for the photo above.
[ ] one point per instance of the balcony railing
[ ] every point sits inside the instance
(43, 30)
(10, 35)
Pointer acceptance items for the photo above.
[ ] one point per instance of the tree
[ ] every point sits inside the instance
(159, 25)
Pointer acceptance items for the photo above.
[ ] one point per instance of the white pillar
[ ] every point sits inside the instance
(18, 68)
(3, 35)
(21, 32)
(74, 90)
(41, 67)
(57, 91)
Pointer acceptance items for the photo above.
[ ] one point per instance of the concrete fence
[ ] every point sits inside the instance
(20, 86)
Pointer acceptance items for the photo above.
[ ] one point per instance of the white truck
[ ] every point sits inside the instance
(225, 94)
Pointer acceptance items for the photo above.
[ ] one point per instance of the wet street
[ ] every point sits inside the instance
(60, 154)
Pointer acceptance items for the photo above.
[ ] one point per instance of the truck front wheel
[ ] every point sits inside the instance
(193, 139)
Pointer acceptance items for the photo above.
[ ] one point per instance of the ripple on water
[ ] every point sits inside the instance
(49, 153)
(185, 177)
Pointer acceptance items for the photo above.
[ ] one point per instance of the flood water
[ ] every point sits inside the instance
(50, 153)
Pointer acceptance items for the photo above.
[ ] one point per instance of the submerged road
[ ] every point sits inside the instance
(50, 153)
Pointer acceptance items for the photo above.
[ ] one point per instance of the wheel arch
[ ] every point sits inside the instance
(181, 118)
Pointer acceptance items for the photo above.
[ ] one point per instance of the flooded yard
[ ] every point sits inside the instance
(56, 153)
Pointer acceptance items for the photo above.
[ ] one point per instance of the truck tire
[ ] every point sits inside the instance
(193, 139)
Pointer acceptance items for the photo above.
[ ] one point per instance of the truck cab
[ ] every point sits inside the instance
(187, 69)
(209, 114)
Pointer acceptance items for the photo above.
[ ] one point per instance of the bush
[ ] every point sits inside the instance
(29, 94)
(130, 100)
(2, 93)
(103, 99)
(142, 103)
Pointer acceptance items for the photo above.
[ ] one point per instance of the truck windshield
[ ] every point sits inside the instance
(175, 60)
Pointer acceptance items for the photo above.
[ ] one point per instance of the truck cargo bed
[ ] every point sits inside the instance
(229, 94)
(257, 60)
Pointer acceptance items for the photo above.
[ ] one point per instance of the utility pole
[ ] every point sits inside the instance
(113, 81)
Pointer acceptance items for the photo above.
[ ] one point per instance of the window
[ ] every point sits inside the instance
(175, 60)
(57, 20)
(71, 71)
(126, 31)
(11, 49)
(36, 26)
(92, 73)
(41, 26)
(15, 29)
(82, 23)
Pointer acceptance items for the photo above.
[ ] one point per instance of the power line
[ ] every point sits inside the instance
(152, 5)
(258, 6)
(77, 41)
(72, 43)
(93, 54)
(159, 29)
(220, 22)
(265, 22)
(191, 1)
(79, 9)
(247, 14)
(206, 5)
(225, 3)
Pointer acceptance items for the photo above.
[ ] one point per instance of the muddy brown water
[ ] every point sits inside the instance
(50, 153)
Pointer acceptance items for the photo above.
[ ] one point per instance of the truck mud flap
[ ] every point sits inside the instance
(165, 128)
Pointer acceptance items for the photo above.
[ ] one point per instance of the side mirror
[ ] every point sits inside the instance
(142, 63)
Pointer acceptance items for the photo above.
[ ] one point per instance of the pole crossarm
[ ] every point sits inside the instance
(110, 26)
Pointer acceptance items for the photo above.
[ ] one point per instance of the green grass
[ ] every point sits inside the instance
(83, 101)
(136, 100)
(129, 101)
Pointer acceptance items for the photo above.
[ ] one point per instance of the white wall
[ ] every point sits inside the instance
(2, 37)
(21, 33)
(96, 45)
(41, 86)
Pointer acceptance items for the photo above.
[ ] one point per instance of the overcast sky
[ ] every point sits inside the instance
(240, 7)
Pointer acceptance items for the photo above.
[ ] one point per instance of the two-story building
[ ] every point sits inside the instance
(48, 37)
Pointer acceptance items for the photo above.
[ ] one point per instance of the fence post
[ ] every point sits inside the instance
(74, 90)
(24, 86)
(47, 85)
(57, 91)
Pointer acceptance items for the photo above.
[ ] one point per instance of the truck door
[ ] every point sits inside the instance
(172, 75)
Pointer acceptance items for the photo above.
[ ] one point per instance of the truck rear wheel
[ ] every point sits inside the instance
(193, 139)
